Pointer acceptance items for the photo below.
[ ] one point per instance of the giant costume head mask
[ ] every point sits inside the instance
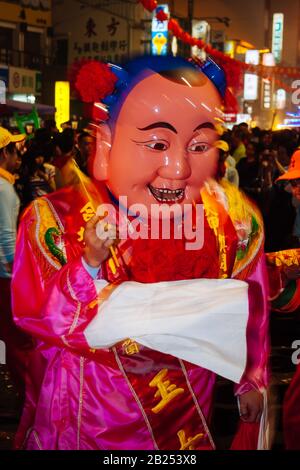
(158, 146)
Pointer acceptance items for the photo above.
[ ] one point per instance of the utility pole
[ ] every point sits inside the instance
(190, 14)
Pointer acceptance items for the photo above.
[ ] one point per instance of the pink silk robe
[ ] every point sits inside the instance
(78, 398)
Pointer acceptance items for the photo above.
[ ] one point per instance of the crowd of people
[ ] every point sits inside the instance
(254, 160)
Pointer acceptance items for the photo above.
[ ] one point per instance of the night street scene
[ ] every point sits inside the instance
(149, 231)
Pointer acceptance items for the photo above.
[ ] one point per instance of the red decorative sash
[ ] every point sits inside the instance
(161, 387)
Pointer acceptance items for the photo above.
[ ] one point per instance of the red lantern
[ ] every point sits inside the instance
(150, 5)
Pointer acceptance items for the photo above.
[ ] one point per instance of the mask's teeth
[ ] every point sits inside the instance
(160, 194)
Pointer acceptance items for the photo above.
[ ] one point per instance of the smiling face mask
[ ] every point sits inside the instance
(163, 145)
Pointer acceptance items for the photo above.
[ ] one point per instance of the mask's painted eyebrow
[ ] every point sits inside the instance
(205, 125)
(155, 125)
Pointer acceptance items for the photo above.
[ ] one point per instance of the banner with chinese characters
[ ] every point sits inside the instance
(32, 12)
(62, 103)
(99, 37)
(277, 36)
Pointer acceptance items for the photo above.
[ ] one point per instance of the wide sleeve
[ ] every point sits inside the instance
(256, 373)
(49, 301)
(284, 293)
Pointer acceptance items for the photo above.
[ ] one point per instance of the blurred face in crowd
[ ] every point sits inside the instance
(267, 139)
(162, 150)
(29, 129)
(295, 185)
(245, 129)
(9, 158)
(39, 160)
(250, 151)
(87, 146)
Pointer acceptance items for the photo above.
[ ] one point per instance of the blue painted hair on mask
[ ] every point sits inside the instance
(138, 69)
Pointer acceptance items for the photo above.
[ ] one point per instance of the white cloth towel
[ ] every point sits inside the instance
(202, 321)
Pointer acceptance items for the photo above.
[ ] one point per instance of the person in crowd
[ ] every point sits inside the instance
(227, 166)
(44, 140)
(39, 176)
(267, 169)
(67, 170)
(256, 135)
(86, 150)
(266, 141)
(244, 127)
(50, 126)
(15, 340)
(248, 170)
(238, 139)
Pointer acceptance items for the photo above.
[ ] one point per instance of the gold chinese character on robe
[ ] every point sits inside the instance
(189, 443)
(165, 390)
(87, 212)
(130, 347)
(80, 234)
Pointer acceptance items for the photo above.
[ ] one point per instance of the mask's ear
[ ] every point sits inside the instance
(103, 146)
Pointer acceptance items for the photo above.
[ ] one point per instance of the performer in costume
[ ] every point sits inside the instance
(122, 390)
(284, 275)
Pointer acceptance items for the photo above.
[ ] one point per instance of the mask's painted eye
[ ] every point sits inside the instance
(199, 147)
(159, 146)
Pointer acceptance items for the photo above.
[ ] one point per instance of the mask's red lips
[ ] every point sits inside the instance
(167, 195)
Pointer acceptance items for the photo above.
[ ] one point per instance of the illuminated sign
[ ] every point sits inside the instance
(22, 81)
(200, 30)
(267, 93)
(2, 92)
(62, 103)
(243, 118)
(268, 59)
(277, 37)
(174, 46)
(250, 86)
(2, 353)
(230, 117)
(280, 99)
(291, 122)
(160, 32)
(229, 48)
(241, 50)
(4, 75)
(252, 57)
(24, 98)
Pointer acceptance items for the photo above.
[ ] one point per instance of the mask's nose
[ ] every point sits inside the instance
(175, 167)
